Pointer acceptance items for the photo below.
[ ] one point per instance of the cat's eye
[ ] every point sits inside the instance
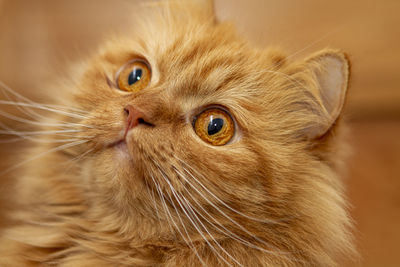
(214, 126)
(134, 76)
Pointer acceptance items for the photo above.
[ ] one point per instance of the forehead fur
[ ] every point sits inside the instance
(196, 62)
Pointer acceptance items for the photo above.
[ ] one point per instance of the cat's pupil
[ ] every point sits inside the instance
(215, 125)
(135, 76)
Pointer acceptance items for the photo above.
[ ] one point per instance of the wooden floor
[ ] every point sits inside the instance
(38, 39)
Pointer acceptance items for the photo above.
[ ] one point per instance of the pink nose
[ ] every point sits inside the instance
(134, 117)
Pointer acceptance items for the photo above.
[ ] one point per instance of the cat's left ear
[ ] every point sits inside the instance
(331, 70)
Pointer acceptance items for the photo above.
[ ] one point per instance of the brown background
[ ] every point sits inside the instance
(38, 39)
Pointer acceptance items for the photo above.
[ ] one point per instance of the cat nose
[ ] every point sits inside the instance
(134, 117)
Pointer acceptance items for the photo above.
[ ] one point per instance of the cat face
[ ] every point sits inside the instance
(192, 127)
(190, 82)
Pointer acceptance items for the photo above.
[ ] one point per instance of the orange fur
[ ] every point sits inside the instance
(281, 200)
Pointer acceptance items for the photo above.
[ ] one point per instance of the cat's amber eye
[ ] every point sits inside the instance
(215, 126)
(134, 76)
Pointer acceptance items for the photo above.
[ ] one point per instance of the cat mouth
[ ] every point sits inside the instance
(118, 143)
(121, 147)
(120, 140)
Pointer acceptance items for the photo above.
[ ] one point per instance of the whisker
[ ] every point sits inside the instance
(276, 250)
(153, 200)
(185, 229)
(39, 132)
(55, 149)
(197, 226)
(39, 106)
(24, 110)
(77, 158)
(189, 242)
(225, 231)
(22, 120)
(288, 77)
(38, 140)
(55, 106)
(225, 215)
(164, 205)
(14, 93)
(221, 201)
(10, 140)
(316, 41)
(190, 210)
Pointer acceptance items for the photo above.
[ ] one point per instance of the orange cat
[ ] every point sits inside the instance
(184, 146)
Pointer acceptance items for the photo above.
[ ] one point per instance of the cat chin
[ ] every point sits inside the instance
(122, 149)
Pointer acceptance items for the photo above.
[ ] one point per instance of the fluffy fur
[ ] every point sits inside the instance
(272, 197)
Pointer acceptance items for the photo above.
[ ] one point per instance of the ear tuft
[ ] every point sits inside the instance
(331, 72)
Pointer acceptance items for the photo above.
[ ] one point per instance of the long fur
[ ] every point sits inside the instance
(270, 198)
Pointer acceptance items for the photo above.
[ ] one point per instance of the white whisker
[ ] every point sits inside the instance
(221, 201)
(223, 213)
(161, 196)
(27, 100)
(55, 149)
(77, 158)
(39, 106)
(224, 231)
(189, 242)
(286, 76)
(81, 111)
(24, 110)
(197, 226)
(190, 210)
(316, 41)
(22, 120)
(10, 140)
(153, 200)
(10, 131)
(275, 252)
(39, 132)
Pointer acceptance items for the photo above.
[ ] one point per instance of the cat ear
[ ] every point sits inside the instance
(331, 73)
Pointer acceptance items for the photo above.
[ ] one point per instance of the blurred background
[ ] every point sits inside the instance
(38, 40)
